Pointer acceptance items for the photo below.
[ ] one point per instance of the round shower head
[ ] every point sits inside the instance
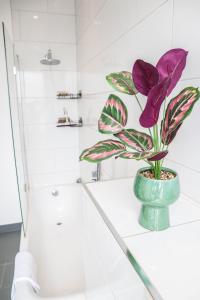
(49, 60)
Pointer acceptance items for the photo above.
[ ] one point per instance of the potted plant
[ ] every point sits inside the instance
(156, 186)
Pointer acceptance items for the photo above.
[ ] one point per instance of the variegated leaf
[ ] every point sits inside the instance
(171, 136)
(151, 156)
(102, 150)
(134, 155)
(177, 110)
(122, 82)
(134, 139)
(158, 155)
(114, 116)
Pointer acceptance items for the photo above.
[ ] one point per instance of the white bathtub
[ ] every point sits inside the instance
(77, 256)
(54, 237)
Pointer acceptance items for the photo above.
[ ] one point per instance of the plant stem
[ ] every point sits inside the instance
(157, 166)
(150, 163)
(138, 101)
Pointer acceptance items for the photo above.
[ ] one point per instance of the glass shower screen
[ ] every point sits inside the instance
(17, 126)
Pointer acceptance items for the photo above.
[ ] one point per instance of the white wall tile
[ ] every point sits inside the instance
(47, 84)
(61, 29)
(61, 6)
(66, 159)
(16, 24)
(39, 111)
(44, 136)
(34, 5)
(59, 178)
(186, 24)
(38, 26)
(55, 28)
(86, 10)
(41, 161)
(30, 28)
(115, 26)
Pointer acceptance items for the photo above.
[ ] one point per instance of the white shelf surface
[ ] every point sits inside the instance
(170, 258)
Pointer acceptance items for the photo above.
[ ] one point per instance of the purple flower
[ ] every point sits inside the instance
(158, 82)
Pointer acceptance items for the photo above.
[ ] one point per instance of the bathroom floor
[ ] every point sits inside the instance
(9, 246)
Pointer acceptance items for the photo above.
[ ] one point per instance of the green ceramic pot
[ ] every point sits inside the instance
(156, 196)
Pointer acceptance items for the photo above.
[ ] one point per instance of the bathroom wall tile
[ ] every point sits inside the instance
(59, 178)
(30, 54)
(34, 5)
(187, 137)
(41, 161)
(145, 8)
(47, 84)
(185, 26)
(44, 136)
(16, 24)
(38, 26)
(61, 6)
(189, 179)
(100, 41)
(61, 29)
(66, 53)
(113, 24)
(120, 57)
(39, 111)
(66, 159)
(68, 106)
(55, 28)
(30, 26)
(44, 161)
(86, 10)
(47, 111)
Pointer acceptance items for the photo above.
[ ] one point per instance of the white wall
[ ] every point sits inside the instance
(112, 34)
(9, 200)
(39, 25)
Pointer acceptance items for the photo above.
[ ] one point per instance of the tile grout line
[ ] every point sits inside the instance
(124, 33)
(185, 166)
(171, 227)
(89, 25)
(18, 10)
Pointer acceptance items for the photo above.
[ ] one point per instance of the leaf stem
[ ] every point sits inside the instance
(157, 166)
(164, 110)
(141, 108)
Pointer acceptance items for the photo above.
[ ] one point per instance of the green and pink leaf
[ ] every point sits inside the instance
(122, 82)
(102, 150)
(177, 110)
(150, 156)
(114, 116)
(136, 140)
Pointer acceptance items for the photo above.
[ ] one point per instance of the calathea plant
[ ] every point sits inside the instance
(155, 82)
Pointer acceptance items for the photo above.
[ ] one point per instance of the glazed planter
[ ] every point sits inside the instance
(156, 196)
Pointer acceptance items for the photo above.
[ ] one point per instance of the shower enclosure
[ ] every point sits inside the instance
(77, 254)
(14, 83)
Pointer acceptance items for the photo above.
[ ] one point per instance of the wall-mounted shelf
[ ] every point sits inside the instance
(69, 97)
(69, 125)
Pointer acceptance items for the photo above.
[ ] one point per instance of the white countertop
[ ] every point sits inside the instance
(170, 258)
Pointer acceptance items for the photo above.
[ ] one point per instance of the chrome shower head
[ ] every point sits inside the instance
(49, 60)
